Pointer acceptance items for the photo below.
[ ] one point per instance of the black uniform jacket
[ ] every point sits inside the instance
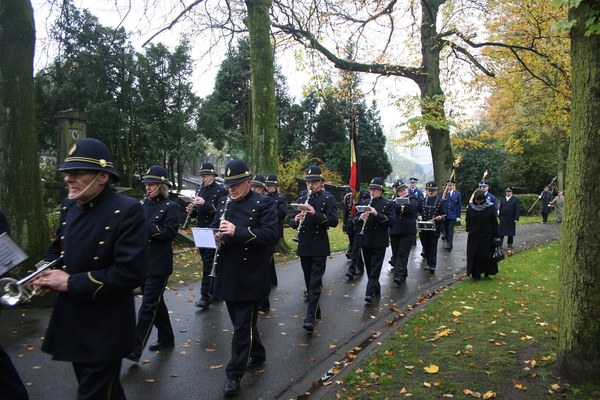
(431, 207)
(313, 240)
(162, 219)
(104, 244)
(206, 213)
(243, 261)
(510, 211)
(405, 218)
(281, 207)
(347, 223)
(376, 232)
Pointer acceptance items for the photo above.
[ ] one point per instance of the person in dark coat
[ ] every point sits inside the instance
(373, 227)
(357, 264)
(404, 231)
(454, 208)
(510, 209)
(546, 198)
(11, 385)
(432, 208)
(482, 229)
(103, 238)
(203, 208)
(281, 205)
(248, 228)
(313, 240)
(162, 219)
(413, 190)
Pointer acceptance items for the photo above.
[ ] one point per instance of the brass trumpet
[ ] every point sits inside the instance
(14, 292)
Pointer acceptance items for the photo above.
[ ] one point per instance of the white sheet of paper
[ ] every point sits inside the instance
(300, 206)
(204, 238)
(364, 208)
(11, 254)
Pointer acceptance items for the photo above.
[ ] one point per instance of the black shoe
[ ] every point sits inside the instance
(369, 299)
(161, 345)
(133, 357)
(510, 245)
(349, 275)
(255, 362)
(309, 326)
(398, 281)
(348, 256)
(449, 248)
(423, 255)
(232, 387)
(305, 295)
(214, 300)
(264, 310)
(443, 237)
(432, 270)
(202, 304)
(360, 272)
(391, 262)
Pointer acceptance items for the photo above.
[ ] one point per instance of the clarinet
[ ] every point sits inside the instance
(213, 271)
(189, 214)
(297, 237)
(362, 230)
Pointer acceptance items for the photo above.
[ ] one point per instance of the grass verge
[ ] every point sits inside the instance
(495, 338)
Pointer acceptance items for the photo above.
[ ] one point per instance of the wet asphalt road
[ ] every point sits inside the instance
(195, 368)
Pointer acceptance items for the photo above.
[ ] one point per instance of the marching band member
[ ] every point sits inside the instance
(454, 207)
(432, 208)
(162, 219)
(248, 228)
(403, 232)
(374, 227)
(281, 206)
(313, 240)
(103, 238)
(357, 264)
(203, 208)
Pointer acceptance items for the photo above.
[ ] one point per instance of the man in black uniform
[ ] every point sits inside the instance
(103, 238)
(510, 210)
(357, 264)
(313, 240)
(11, 385)
(204, 206)
(546, 198)
(432, 208)
(162, 224)
(374, 226)
(403, 233)
(248, 224)
(281, 206)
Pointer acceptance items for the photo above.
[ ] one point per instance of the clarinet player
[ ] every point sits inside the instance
(203, 208)
(313, 240)
(247, 231)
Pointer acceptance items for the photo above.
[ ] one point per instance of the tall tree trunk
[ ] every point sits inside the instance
(579, 298)
(432, 95)
(265, 147)
(20, 186)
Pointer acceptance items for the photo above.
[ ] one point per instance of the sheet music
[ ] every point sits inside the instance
(11, 254)
(204, 238)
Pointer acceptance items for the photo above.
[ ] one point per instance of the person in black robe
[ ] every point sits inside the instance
(482, 228)
(510, 209)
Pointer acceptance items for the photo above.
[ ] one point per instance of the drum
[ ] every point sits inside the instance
(425, 226)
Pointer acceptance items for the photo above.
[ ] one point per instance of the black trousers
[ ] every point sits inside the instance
(449, 231)
(246, 341)
(403, 245)
(265, 303)
(313, 268)
(545, 217)
(99, 381)
(429, 241)
(508, 241)
(206, 289)
(357, 264)
(153, 312)
(373, 262)
(11, 386)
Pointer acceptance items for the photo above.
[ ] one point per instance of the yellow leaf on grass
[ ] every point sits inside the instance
(489, 395)
(555, 386)
(432, 369)
(403, 390)
(443, 333)
(456, 313)
(426, 384)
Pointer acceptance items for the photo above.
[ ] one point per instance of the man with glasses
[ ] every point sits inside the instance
(103, 239)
